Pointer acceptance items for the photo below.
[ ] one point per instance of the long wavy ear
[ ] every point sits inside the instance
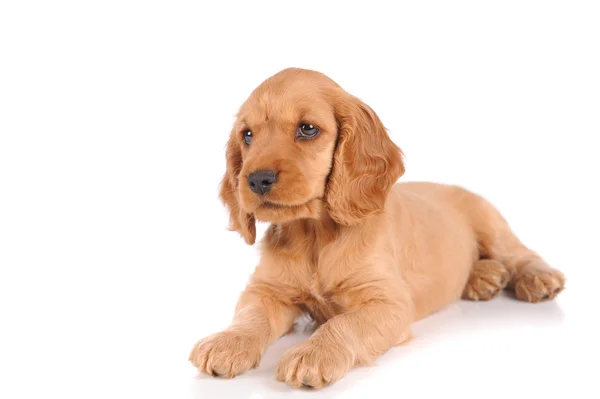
(366, 163)
(240, 221)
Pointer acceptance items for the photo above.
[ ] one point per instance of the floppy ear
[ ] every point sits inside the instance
(366, 163)
(240, 221)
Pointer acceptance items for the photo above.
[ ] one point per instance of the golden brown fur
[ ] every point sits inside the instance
(361, 254)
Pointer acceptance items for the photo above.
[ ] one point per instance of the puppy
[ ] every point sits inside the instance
(363, 255)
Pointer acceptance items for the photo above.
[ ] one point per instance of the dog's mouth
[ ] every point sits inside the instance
(278, 212)
(275, 205)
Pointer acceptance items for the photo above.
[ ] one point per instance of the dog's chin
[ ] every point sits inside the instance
(278, 213)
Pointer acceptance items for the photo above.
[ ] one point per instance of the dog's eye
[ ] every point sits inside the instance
(308, 131)
(247, 136)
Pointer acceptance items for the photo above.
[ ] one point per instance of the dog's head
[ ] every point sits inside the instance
(302, 146)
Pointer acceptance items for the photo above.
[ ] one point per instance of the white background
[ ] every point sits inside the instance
(114, 253)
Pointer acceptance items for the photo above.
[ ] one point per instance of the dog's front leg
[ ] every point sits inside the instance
(260, 318)
(377, 318)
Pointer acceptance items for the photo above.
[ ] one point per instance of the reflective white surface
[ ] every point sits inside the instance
(495, 349)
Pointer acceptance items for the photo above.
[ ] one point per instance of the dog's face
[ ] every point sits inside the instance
(302, 146)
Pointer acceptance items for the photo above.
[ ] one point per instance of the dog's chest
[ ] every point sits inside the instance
(318, 296)
(314, 272)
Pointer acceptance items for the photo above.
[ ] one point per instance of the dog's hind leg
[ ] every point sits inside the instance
(533, 279)
(529, 276)
(486, 281)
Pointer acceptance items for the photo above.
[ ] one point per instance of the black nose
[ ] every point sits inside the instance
(261, 181)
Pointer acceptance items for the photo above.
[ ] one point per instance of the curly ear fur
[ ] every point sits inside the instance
(239, 220)
(366, 163)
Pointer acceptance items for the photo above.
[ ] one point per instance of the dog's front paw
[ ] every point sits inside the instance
(314, 364)
(226, 354)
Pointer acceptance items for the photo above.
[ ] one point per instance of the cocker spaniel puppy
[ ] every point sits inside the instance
(363, 255)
